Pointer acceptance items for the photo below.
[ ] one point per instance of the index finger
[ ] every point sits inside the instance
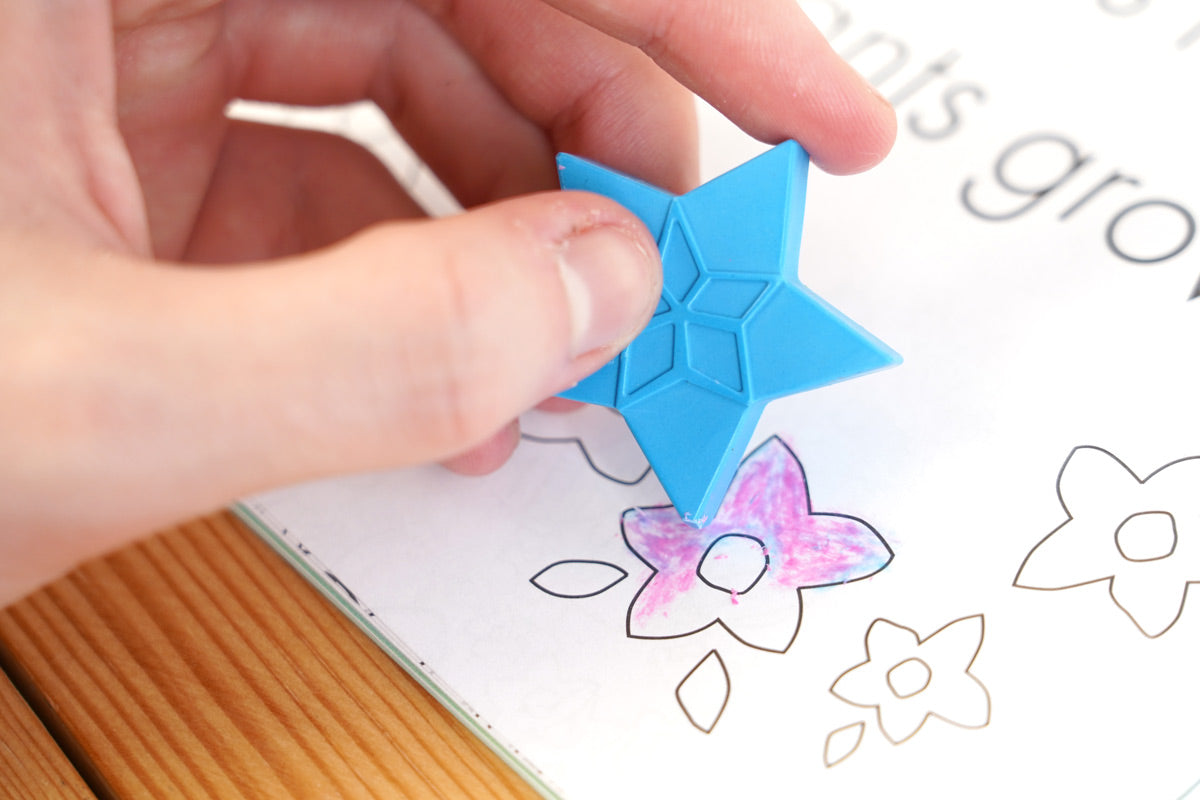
(761, 63)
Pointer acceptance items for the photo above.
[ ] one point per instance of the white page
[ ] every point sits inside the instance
(1044, 422)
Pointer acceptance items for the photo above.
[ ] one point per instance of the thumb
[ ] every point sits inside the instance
(422, 340)
(158, 392)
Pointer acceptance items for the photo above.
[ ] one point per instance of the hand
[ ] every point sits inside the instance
(139, 389)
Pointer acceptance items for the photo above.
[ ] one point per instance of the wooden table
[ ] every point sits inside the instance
(198, 664)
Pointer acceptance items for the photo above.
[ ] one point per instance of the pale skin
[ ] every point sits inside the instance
(342, 331)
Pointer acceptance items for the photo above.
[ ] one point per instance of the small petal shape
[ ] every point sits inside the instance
(576, 579)
(841, 744)
(704, 691)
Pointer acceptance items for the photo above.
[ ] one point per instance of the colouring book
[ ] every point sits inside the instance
(967, 576)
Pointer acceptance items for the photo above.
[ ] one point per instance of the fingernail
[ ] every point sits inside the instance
(609, 277)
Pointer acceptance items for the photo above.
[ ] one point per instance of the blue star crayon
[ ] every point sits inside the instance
(734, 328)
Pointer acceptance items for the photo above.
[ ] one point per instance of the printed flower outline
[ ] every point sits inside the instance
(745, 570)
(907, 679)
(601, 436)
(1140, 535)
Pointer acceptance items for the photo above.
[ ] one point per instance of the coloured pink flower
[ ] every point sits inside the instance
(907, 679)
(1141, 536)
(745, 570)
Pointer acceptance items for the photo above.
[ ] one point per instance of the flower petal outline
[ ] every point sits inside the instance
(953, 694)
(601, 436)
(708, 673)
(555, 579)
(1085, 548)
(768, 501)
(842, 743)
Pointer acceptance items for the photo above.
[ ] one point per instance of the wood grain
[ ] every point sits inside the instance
(32, 767)
(198, 664)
